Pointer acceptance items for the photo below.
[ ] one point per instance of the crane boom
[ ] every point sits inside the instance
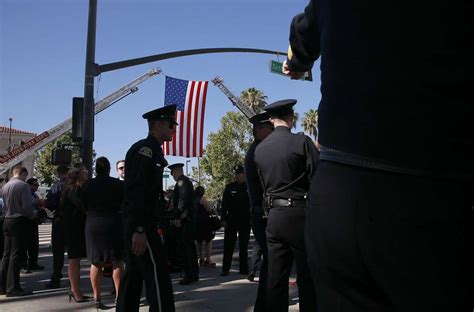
(20, 153)
(241, 105)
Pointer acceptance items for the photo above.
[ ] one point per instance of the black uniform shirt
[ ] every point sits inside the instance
(183, 198)
(235, 203)
(144, 183)
(384, 71)
(253, 181)
(286, 163)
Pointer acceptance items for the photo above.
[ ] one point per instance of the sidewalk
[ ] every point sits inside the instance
(212, 293)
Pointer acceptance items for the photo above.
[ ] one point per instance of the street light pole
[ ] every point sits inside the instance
(88, 116)
(187, 173)
(10, 136)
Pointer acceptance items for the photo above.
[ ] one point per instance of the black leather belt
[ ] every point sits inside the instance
(288, 202)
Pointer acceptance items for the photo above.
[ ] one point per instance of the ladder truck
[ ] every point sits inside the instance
(20, 153)
(241, 105)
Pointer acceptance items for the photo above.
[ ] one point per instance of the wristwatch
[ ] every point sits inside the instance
(139, 229)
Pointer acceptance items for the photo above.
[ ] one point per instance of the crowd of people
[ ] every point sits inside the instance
(376, 214)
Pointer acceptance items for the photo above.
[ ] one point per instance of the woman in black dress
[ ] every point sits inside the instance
(102, 197)
(74, 225)
(204, 231)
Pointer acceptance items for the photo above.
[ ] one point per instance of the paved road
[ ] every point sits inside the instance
(212, 293)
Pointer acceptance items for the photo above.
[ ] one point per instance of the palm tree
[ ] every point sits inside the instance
(309, 122)
(254, 98)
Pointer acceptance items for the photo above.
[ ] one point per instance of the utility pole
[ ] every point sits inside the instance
(88, 116)
(10, 136)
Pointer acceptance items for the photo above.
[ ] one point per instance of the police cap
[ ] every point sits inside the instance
(259, 119)
(175, 166)
(280, 108)
(238, 169)
(166, 112)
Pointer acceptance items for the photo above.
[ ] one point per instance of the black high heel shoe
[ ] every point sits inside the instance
(99, 305)
(73, 295)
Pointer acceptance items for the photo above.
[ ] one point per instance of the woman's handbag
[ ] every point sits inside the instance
(215, 222)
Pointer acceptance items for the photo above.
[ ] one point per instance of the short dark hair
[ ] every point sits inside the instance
(118, 162)
(19, 170)
(199, 191)
(32, 181)
(102, 166)
(151, 122)
(62, 170)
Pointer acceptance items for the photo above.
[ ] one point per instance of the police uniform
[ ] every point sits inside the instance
(259, 223)
(235, 212)
(286, 163)
(143, 208)
(183, 201)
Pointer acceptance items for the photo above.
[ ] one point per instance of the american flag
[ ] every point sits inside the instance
(190, 99)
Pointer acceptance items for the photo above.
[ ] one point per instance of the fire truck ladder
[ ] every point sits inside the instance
(241, 105)
(20, 153)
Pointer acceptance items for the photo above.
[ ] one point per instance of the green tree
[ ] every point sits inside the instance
(44, 170)
(309, 122)
(225, 148)
(254, 98)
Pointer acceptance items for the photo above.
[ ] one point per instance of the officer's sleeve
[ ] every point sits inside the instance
(304, 47)
(138, 175)
(312, 157)
(225, 203)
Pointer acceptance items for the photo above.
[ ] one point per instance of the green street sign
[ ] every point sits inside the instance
(166, 176)
(276, 67)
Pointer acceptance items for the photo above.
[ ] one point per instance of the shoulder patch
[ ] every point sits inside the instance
(146, 151)
(180, 183)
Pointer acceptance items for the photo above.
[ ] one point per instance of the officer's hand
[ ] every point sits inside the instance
(293, 74)
(224, 224)
(139, 241)
(177, 223)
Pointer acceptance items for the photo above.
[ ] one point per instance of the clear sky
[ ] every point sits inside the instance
(42, 59)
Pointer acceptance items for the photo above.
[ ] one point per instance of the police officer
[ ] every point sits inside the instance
(143, 208)
(183, 201)
(235, 217)
(286, 164)
(262, 127)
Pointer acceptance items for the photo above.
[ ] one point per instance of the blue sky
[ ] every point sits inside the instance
(42, 59)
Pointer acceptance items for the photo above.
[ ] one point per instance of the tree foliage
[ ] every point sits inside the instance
(309, 122)
(225, 148)
(254, 98)
(44, 171)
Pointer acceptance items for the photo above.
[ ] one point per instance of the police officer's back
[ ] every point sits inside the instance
(286, 163)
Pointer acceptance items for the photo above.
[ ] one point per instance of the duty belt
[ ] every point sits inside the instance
(290, 202)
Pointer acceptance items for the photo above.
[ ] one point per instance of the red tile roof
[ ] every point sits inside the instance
(14, 131)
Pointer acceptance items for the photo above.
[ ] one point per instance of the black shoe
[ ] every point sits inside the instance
(77, 297)
(52, 285)
(251, 276)
(99, 305)
(187, 281)
(35, 267)
(224, 273)
(18, 293)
